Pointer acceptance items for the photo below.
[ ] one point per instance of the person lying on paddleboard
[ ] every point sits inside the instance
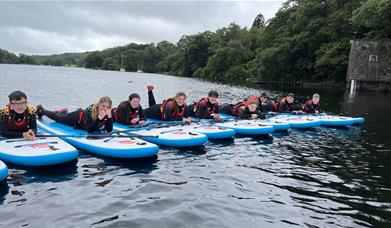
(96, 117)
(206, 107)
(264, 104)
(172, 109)
(130, 112)
(17, 118)
(286, 105)
(312, 105)
(243, 110)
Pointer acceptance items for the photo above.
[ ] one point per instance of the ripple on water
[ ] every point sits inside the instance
(321, 177)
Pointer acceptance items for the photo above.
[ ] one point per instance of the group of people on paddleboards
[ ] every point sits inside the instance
(18, 119)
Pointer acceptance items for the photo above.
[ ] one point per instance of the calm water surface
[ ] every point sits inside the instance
(323, 177)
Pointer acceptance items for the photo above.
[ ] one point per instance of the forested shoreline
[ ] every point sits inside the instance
(306, 41)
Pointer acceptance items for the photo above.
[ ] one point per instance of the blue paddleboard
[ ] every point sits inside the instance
(3, 171)
(168, 136)
(115, 147)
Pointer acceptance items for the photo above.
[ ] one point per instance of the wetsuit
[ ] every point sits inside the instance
(124, 113)
(283, 106)
(81, 119)
(168, 111)
(310, 107)
(239, 110)
(203, 109)
(13, 125)
(265, 107)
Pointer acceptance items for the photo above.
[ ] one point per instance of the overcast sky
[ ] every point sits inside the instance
(46, 27)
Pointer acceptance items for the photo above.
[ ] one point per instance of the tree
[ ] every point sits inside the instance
(259, 21)
(7, 57)
(25, 59)
(94, 60)
(373, 19)
(151, 57)
(110, 63)
(133, 60)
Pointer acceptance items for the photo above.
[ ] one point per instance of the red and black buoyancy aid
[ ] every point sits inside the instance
(239, 105)
(312, 107)
(170, 102)
(83, 123)
(276, 105)
(130, 116)
(18, 126)
(204, 101)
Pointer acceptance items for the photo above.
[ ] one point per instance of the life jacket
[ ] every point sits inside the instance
(238, 106)
(170, 102)
(314, 107)
(130, 117)
(209, 111)
(276, 105)
(18, 126)
(84, 124)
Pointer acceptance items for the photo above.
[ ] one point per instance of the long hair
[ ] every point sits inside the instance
(95, 107)
(178, 94)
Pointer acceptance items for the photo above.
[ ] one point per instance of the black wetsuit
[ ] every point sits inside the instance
(310, 107)
(265, 107)
(203, 109)
(81, 119)
(239, 110)
(283, 106)
(13, 125)
(167, 111)
(124, 113)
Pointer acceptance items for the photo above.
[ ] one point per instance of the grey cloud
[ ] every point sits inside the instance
(54, 27)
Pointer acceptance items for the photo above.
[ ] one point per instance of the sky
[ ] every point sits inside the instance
(53, 27)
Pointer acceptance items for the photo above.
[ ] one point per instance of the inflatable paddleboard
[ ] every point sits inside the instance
(115, 147)
(278, 125)
(358, 120)
(335, 121)
(3, 171)
(203, 126)
(211, 131)
(167, 136)
(40, 152)
(297, 121)
(245, 127)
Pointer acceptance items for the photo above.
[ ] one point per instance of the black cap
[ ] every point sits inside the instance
(291, 95)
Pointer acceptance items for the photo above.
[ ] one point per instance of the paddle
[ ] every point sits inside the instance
(100, 136)
(37, 144)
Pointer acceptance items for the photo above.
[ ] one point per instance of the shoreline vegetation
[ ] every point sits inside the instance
(306, 42)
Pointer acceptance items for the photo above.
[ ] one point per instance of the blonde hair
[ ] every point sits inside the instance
(316, 95)
(95, 107)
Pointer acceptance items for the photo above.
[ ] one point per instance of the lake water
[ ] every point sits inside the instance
(323, 177)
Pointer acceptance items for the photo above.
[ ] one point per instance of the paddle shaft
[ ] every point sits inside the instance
(100, 136)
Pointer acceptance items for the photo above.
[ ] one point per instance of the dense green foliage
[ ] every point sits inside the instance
(307, 40)
(66, 59)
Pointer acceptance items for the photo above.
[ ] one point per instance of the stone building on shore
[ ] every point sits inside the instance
(369, 66)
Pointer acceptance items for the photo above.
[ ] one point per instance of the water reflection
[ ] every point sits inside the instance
(321, 177)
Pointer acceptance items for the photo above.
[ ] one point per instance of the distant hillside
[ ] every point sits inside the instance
(66, 59)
